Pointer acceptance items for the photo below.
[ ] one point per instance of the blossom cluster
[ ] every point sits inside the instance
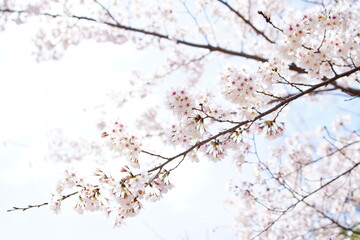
(117, 197)
(123, 143)
(322, 39)
(273, 129)
(241, 88)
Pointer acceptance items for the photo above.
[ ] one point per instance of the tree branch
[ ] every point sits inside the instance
(209, 47)
(42, 204)
(271, 110)
(246, 21)
(305, 197)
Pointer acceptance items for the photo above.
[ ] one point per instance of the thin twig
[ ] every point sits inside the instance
(305, 197)
(237, 13)
(42, 204)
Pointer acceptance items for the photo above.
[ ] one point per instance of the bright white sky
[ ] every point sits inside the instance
(35, 98)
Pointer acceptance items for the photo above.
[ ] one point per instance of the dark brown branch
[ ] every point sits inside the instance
(153, 154)
(351, 91)
(214, 118)
(246, 21)
(107, 11)
(271, 110)
(268, 20)
(209, 47)
(276, 98)
(297, 69)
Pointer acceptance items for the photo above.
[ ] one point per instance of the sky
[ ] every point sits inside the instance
(38, 97)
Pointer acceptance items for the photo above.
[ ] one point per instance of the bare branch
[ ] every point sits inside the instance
(305, 197)
(246, 21)
(40, 205)
(268, 20)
